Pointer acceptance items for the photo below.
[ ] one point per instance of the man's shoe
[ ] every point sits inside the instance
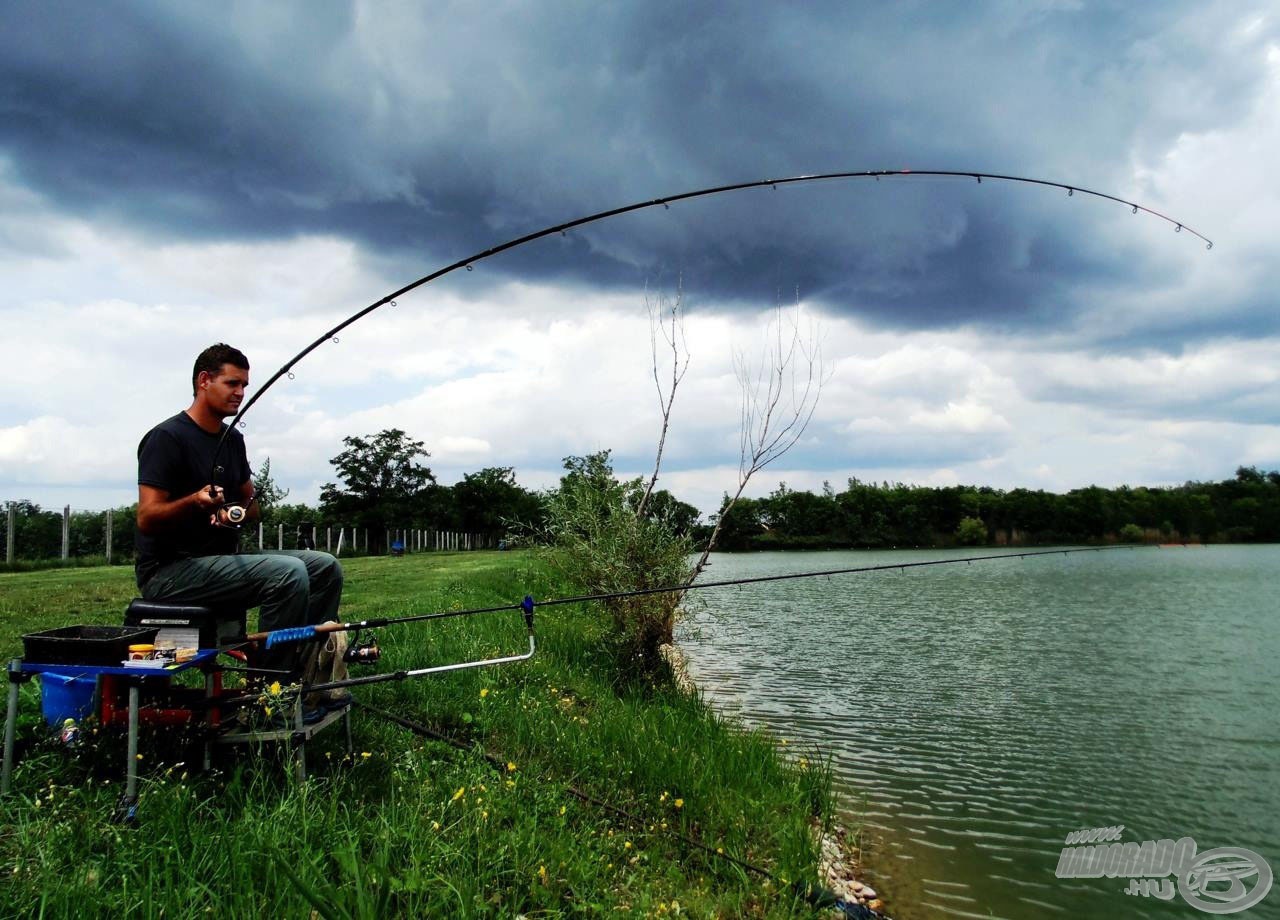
(336, 700)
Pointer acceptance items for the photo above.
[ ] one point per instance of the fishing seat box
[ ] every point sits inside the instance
(188, 625)
(88, 645)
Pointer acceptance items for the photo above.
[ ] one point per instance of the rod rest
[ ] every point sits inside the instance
(214, 626)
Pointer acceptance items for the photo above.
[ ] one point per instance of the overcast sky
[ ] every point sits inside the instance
(177, 174)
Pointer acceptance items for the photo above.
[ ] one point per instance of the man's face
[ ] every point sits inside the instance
(224, 391)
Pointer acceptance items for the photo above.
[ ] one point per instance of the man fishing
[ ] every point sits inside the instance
(188, 530)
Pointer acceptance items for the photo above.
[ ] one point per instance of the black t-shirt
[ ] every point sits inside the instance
(177, 456)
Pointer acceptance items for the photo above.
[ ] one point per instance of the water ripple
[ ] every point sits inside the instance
(976, 714)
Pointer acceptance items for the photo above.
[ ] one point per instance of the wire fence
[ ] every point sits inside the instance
(106, 537)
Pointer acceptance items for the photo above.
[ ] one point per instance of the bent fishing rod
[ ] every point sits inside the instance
(527, 606)
(666, 201)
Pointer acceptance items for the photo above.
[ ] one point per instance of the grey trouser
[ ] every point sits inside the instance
(293, 588)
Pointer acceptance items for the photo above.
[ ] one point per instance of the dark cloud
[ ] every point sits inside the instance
(427, 135)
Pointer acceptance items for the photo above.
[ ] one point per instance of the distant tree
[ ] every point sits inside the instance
(1132, 533)
(266, 489)
(382, 480)
(37, 533)
(971, 532)
(682, 517)
(489, 501)
(1249, 474)
(739, 522)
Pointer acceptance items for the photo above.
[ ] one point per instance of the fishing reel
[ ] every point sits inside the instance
(230, 517)
(362, 652)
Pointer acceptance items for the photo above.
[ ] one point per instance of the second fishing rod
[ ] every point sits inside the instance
(529, 605)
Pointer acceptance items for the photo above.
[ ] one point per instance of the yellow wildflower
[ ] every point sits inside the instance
(365, 754)
(484, 691)
(511, 767)
(562, 809)
(679, 803)
(459, 794)
(275, 687)
(542, 874)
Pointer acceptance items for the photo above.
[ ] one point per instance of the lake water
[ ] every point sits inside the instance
(975, 714)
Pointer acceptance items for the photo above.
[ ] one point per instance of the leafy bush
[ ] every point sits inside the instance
(603, 544)
(1132, 533)
(971, 532)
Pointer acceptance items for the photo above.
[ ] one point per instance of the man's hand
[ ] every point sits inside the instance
(212, 499)
(209, 497)
(156, 510)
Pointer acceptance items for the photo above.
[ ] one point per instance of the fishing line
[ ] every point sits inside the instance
(528, 605)
(469, 262)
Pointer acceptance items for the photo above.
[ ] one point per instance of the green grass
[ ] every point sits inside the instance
(409, 826)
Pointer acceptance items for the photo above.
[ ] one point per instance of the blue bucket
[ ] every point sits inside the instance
(63, 698)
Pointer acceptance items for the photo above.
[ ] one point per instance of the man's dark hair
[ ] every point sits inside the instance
(212, 358)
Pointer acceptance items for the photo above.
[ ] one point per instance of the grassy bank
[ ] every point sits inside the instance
(408, 826)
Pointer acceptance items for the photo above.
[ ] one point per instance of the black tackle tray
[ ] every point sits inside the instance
(103, 645)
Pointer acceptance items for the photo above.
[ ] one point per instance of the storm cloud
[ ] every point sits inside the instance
(176, 173)
(425, 136)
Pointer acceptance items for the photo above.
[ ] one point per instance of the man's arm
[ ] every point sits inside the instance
(156, 509)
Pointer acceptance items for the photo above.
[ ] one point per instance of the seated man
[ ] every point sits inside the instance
(188, 550)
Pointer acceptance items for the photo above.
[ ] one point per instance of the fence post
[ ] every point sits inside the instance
(280, 537)
(9, 529)
(106, 537)
(328, 539)
(260, 546)
(66, 531)
(388, 543)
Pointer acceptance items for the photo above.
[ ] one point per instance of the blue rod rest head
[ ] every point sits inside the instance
(527, 606)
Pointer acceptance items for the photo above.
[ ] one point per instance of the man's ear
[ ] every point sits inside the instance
(203, 379)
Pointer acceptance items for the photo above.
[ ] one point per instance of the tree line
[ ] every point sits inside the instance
(1245, 508)
(382, 483)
